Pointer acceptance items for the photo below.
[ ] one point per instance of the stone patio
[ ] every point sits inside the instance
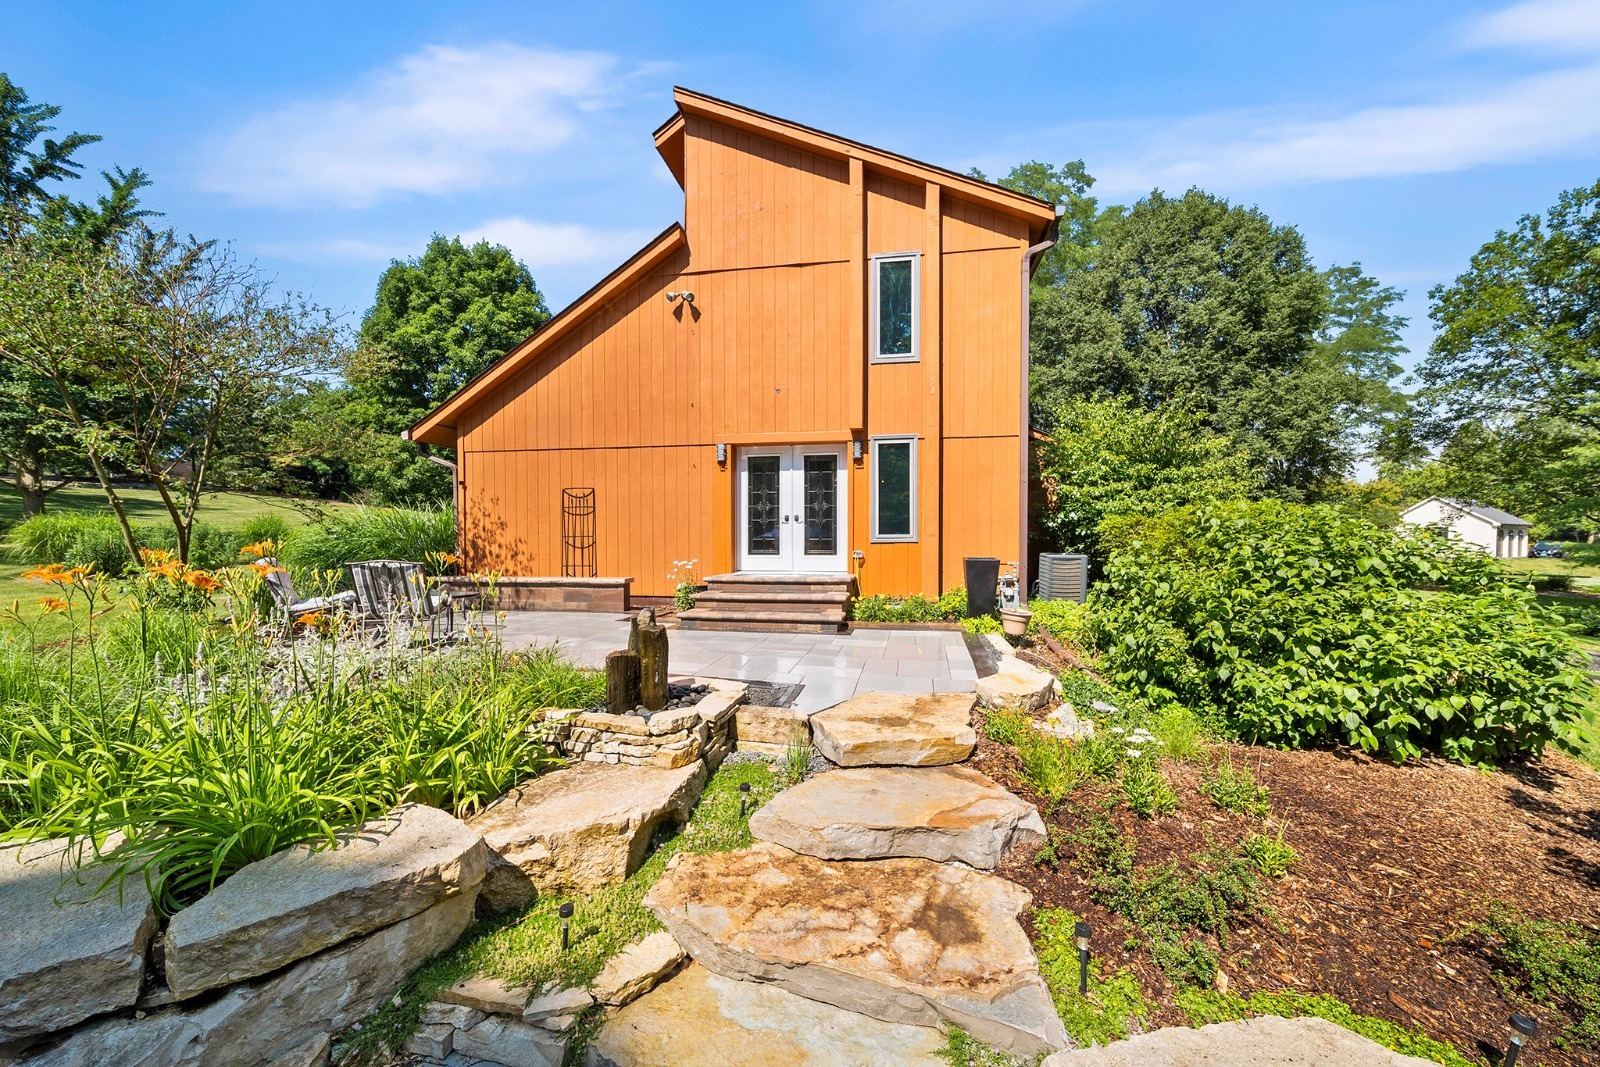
(831, 667)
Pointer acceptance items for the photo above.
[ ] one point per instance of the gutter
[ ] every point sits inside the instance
(1029, 258)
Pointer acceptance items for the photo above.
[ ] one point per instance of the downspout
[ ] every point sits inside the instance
(1028, 259)
(455, 490)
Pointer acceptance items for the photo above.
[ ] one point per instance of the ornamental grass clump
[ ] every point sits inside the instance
(1295, 626)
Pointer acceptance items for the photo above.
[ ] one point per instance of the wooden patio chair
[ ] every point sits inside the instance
(392, 590)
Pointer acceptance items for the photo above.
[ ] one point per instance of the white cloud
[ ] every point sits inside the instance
(1536, 116)
(1556, 25)
(440, 120)
(543, 244)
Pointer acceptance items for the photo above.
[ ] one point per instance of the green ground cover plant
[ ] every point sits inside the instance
(950, 607)
(1234, 788)
(526, 948)
(1298, 625)
(1272, 855)
(1114, 1002)
(1205, 1006)
(1553, 965)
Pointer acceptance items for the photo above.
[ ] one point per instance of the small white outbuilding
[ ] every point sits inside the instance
(1497, 532)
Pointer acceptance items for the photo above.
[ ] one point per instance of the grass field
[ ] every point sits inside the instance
(144, 506)
(1581, 563)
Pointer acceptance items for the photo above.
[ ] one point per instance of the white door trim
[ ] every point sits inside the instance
(784, 536)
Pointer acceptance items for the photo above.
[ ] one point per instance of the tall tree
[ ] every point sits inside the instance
(32, 164)
(1083, 219)
(1196, 300)
(440, 319)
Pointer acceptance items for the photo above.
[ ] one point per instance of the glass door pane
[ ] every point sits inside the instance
(820, 510)
(763, 506)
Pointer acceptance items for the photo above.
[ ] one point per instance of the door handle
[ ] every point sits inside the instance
(786, 518)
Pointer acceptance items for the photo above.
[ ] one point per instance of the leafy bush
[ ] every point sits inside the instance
(982, 624)
(1554, 964)
(1145, 788)
(950, 607)
(49, 538)
(351, 535)
(1550, 583)
(1065, 620)
(100, 546)
(274, 528)
(1299, 625)
(1583, 616)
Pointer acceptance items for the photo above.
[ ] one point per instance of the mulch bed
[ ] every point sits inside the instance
(1393, 861)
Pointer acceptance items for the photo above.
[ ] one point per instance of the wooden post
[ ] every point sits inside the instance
(653, 688)
(622, 682)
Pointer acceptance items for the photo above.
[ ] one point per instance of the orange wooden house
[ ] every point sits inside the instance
(813, 386)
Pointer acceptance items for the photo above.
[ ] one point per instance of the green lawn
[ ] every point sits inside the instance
(144, 506)
(1581, 563)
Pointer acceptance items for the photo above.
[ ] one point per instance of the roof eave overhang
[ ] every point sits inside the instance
(438, 427)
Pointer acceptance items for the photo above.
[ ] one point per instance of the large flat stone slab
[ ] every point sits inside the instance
(1264, 1042)
(65, 953)
(271, 1020)
(903, 940)
(579, 828)
(864, 813)
(897, 729)
(637, 969)
(701, 1019)
(300, 901)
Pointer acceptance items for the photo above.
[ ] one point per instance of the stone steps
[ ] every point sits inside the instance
(811, 603)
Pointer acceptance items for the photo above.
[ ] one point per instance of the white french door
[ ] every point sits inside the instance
(792, 509)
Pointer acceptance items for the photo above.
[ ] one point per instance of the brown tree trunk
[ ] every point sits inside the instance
(30, 482)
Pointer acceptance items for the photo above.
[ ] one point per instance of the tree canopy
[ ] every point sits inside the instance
(1213, 305)
(437, 321)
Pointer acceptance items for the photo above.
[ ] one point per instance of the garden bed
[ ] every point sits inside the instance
(1396, 865)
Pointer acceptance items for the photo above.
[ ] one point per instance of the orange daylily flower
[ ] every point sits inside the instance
(257, 549)
(312, 619)
(202, 581)
(264, 568)
(48, 572)
(53, 603)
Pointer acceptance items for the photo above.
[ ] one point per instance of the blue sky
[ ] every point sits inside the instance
(324, 139)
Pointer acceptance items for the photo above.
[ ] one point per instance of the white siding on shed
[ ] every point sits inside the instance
(1462, 522)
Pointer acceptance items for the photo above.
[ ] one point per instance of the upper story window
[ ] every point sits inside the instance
(895, 307)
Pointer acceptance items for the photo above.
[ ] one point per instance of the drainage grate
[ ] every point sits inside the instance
(770, 695)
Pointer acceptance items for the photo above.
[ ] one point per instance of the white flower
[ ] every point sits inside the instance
(1134, 753)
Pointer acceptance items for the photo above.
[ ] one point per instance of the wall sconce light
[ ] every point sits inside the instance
(722, 455)
(1081, 931)
(1525, 1026)
(856, 450)
(565, 911)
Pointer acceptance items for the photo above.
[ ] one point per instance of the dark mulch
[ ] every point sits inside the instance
(1393, 861)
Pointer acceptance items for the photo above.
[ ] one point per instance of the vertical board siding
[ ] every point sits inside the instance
(632, 401)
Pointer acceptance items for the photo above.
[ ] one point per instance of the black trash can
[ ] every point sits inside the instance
(983, 579)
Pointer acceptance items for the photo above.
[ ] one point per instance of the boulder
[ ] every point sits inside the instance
(512, 1043)
(903, 940)
(578, 828)
(759, 728)
(637, 969)
(866, 813)
(702, 1018)
(1016, 684)
(902, 729)
(556, 1003)
(66, 953)
(1268, 1041)
(431, 1040)
(302, 900)
(270, 1019)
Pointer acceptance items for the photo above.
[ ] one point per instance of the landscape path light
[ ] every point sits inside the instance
(744, 795)
(1082, 932)
(565, 911)
(1525, 1026)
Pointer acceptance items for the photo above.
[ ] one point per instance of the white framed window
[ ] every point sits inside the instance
(894, 488)
(896, 307)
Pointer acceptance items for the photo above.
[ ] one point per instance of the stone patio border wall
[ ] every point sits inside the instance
(551, 594)
(667, 739)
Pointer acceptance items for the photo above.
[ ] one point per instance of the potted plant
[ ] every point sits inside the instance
(1015, 621)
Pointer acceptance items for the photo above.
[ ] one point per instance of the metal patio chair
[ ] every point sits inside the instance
(393, 590)
(294, 608)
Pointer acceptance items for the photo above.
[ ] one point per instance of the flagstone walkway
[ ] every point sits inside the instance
(830, 667)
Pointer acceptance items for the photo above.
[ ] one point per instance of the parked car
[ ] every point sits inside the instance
(1547, 550)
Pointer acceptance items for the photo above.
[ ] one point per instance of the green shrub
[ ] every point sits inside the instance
(1556, 965)
(1145, 789)
(48, 538)
(1301, 625)
(102, 547)
(1205, 1006)
(1550, 583)
(1180, 731)
(1114, 1002)
(1234, 788)
(982, 624)
(1065, 620)
(1583, 616)
(354, 534)
(274, 528)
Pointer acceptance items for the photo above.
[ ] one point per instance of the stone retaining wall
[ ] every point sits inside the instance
(667, 739)
(551, 594)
